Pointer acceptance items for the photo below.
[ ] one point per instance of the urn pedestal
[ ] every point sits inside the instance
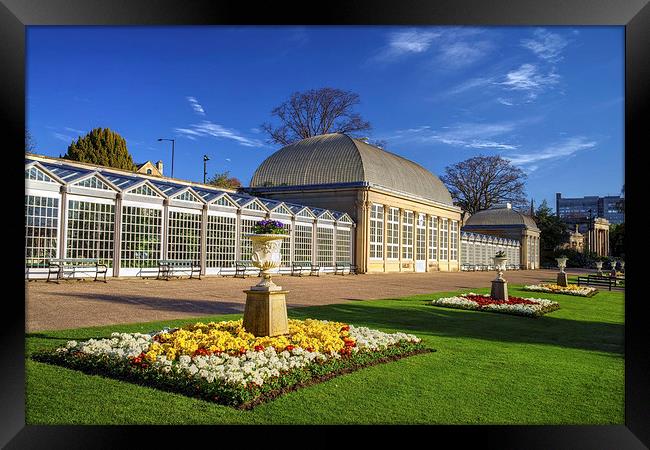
(265, 313)
(562, 279)
(499, 290)
(499, 285)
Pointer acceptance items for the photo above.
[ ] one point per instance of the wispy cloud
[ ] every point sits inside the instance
(546, 45)
(196, 106)
(74, 130)
(452, 47)
(64, 137)
(466, 135)
(298, 37)
(563, 149)
(465, 86)
(527, 78)
(209, 129)
(405, 42)
(462, 53)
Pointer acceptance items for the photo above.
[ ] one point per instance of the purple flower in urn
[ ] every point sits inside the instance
(269, 226)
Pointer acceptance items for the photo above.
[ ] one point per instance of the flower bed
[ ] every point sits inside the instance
(531, 307)
(572, 289)
(222, 362)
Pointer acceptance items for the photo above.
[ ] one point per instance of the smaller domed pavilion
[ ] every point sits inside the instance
(504, 222)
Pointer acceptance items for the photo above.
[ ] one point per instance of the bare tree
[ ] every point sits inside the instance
(483, 181)
(30, 145)
(314, 112)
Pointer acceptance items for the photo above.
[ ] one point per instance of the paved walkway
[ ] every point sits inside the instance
(74, 304)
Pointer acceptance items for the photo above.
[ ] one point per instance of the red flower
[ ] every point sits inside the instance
(289, 348)
(259, 348)
(484, 300)
(345, 328)
(310, 349)
(202, 352)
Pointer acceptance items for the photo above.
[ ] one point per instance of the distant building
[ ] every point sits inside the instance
(576, 240)
(589, 207)
(504, 222)
(148, 168)
(594, 234)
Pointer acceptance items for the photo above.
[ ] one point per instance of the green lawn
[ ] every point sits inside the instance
(564, 368)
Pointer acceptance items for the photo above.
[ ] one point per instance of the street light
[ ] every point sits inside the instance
(205, 165)
(173, 142)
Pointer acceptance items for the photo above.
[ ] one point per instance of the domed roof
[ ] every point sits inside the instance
(338, 158)
(501, 215)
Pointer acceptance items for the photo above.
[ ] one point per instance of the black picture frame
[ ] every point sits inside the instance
(634, 15)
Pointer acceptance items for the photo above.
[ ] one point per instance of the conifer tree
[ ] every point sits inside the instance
(101, 146)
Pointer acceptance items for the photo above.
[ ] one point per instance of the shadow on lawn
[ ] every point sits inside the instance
(437, 321)
(215, 306)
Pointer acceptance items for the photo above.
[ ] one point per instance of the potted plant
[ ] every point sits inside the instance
(599, 264)
(267, 239)
(561, 262)
(500, 262)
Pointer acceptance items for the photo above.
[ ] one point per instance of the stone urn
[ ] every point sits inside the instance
(267, 257)
(562, 276)
(622, 263)
(599, 267)
(500, 264)
(499, 285)
(265, 313)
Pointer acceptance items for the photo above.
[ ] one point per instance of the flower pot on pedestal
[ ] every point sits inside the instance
(499, 284)
(265, 313)
(599, 267)
(562, 279)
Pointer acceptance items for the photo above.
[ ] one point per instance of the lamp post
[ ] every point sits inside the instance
(590, 238)
(205, 165)
(173, 142)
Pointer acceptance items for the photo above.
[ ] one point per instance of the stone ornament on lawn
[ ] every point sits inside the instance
(599, 267)
(500, 285)
(266, 256)
(265, 313)
(562, 279)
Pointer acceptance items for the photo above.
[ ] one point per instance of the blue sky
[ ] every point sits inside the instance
(549, 99)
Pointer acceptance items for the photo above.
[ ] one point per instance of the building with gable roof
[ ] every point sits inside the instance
(130, 221)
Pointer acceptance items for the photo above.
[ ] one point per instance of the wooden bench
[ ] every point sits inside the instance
(598, 280)
(73, 266)
(302, 267)
(168, 268)
(243, 269)
(340, 267)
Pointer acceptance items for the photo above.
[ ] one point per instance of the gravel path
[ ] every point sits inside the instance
(74, 304)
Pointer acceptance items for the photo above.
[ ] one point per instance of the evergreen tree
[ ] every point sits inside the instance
(101, 146)
(617, 240)
(553, 230)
